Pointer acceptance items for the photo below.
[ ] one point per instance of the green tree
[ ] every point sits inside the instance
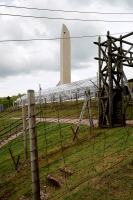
(8, 98)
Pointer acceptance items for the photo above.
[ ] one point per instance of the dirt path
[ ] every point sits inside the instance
(69, 121)
(9, 138)
(55, 120)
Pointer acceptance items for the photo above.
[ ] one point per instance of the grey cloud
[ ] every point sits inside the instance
(29, 28)
(12, 63)
(128, 4)
(38, 34)
(7, 1)
(83, 50)
(79, 3)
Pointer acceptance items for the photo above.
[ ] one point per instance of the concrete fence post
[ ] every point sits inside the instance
(33, 146)
(24, 129)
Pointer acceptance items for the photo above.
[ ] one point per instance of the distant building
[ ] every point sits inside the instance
(1, 107)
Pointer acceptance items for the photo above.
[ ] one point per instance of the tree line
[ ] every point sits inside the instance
(8, 101)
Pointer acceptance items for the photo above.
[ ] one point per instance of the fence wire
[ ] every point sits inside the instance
(76, 160)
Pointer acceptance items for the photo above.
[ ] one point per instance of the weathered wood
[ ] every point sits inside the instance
(118, 39)
(99, 82)
(15, 165)
(126, 51)
(102, 59)
(122, 84)
(112, 57)
(102, 45)
(87, 101)
(89, 108)
(128, 65)
(127, 84)
(110, 81)
(24, 129)
(127, 35)
(110, 75)
(80, 118)
(33, 146)
(121, 56)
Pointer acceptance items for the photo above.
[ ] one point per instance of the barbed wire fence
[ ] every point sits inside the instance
(11, 151)
(97, 153)
(76, 159)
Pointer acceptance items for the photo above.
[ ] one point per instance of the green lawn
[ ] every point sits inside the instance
(101, 159)
(9, 126)
(101, 162)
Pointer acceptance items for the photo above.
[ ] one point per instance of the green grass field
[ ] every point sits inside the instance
(9, 126)
(101, 161)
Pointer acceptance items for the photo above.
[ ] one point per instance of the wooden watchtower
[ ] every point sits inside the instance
(113, 100)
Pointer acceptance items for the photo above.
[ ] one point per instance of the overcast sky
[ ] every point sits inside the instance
(25, 65)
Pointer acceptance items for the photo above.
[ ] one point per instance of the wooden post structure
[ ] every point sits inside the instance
(33, 146)
(113, 100)
(99, 81)
(110, 81)
(24, 129)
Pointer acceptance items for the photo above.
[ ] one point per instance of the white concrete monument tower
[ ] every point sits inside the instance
(65, 56)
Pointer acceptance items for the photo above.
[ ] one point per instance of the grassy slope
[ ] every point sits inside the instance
(9, 126)
(90, 159)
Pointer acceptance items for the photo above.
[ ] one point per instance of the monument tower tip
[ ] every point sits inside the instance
(65, 56)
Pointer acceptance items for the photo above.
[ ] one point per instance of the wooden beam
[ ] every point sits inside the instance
(118, 39)
(121, 56)
(102, 59)
(127, 35)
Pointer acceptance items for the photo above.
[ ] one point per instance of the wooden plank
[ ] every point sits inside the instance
(127, 35)
(118, 39)
(127, 84)
(86, 101)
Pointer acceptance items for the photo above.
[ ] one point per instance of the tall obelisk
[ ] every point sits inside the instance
(65, 56)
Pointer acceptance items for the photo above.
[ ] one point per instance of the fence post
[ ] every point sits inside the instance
(45, 101)
(77, 98)
(33, 146)
(89, 108)
(60, 98)
(24, 129)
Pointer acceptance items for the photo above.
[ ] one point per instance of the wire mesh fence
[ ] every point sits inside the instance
(11, 152)
(65, 92)
(76, 159)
